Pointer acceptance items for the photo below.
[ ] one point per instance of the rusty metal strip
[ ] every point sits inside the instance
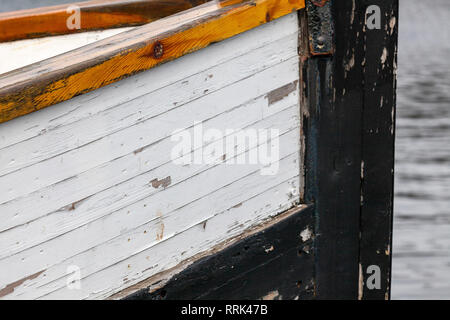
(321, 28)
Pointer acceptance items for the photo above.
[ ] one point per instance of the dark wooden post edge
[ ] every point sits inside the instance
(377, 191)
(332, 127)
(348, 122)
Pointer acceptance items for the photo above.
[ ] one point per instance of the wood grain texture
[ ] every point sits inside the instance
(377, 170)
(99, 190)
(332, 124)
(349, 119)
(91, 67)
(94, 15)
(38, 149)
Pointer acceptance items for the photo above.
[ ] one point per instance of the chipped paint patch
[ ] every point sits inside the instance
(164, 182)
(160, 232)
(351, 63)
(160, 279)
(12, 286)
(392, 24)
(237, 206)
(306, 234)
(73, 206)
(281, 93)
(384, 56)
(272, 295)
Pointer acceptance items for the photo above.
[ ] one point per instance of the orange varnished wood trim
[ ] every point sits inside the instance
(88, 68)
(93, 15)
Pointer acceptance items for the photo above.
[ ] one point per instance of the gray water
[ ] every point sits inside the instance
(421, 250)
(10, 5)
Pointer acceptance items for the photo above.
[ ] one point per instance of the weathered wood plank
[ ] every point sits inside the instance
(93, 66)
(136, 214)
(25, 52)
(116, 145)
(129, 208)
(55, 197)
(348, 120)
(122, 198)
(164, 101)
(220, 227)
(236, 271)
(177, 71)
(147, 236)
(93, 15)
(118, 197)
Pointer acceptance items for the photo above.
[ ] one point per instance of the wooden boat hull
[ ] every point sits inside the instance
(179, 161)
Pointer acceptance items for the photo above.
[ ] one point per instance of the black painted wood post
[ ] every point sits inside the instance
(377, 191)
(349, 121)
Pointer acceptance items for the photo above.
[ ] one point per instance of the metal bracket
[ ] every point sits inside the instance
(320, 27)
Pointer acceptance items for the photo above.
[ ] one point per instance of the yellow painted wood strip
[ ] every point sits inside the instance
(92, 15)
(80, 71)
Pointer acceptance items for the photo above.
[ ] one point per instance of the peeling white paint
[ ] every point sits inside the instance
(81, 173)
(351, 63)
(392, 24)
(384, 56)
(306, 234)
(272, 295)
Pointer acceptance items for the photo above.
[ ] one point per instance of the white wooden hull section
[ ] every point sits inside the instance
(90, 183)
(20, 53)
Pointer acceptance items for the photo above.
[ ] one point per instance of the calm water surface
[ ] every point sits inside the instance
(421, 251)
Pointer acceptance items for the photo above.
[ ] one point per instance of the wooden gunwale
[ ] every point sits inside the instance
(57, 79)
(94, 15)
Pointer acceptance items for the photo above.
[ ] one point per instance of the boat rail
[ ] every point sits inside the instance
(82, 70)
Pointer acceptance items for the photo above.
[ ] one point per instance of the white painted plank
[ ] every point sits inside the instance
(118, 144)
(192, 241)
(21, 53)
(109, 222)
(62, 139)
(100, 204)
(62, 194)
(45, 120)
(146, 236)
